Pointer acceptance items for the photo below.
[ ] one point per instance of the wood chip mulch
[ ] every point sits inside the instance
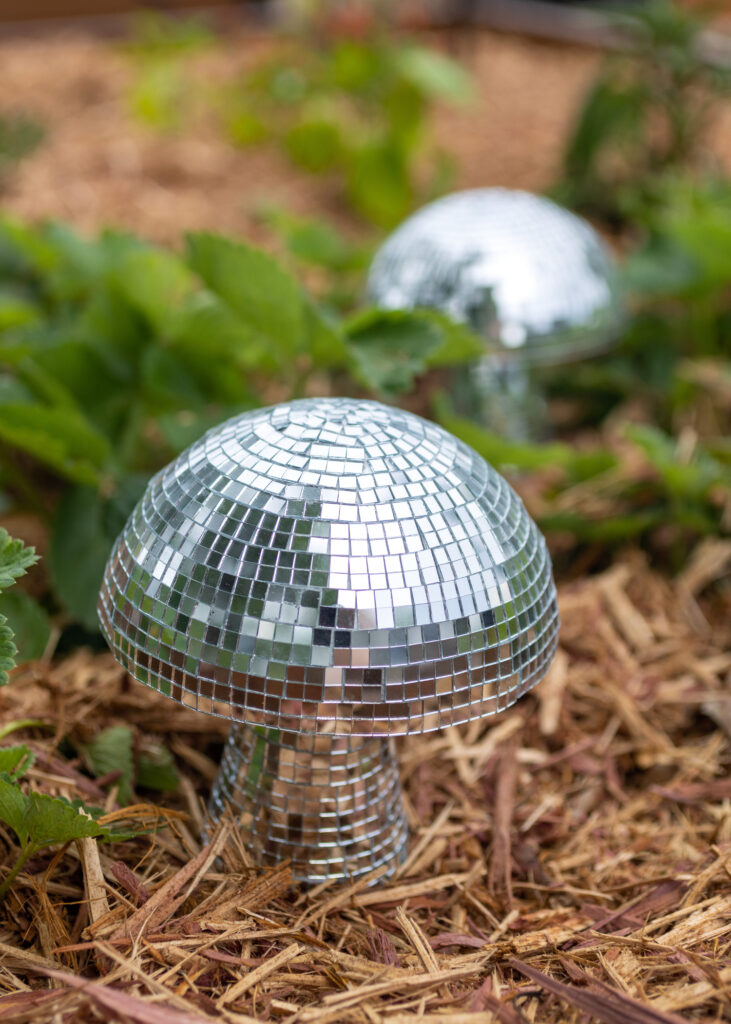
(570, 859)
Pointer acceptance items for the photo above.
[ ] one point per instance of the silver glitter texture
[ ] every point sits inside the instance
(332, 561)
(533, 278)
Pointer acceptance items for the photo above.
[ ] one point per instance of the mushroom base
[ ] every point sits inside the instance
(505, 396)
(331, 805)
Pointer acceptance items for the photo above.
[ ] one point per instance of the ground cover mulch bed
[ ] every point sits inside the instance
(570, 859)
(100, 166)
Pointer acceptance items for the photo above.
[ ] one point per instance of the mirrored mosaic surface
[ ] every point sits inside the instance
(332, 561)
(532, 277)
(330, 805)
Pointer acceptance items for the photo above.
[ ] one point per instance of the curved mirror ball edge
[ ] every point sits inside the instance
(536, 281)
(327, 574)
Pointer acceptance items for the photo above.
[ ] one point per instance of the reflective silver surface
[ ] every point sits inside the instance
(331, 805)
(332, 560)
(533, 278)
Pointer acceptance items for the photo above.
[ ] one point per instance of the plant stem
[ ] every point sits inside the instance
(24, 857)
(24, 723)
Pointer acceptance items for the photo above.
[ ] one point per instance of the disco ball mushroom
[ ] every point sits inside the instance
(536, 281)
(327, 574)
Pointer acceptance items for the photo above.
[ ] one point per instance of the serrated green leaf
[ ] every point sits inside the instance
(254, 286)
(111, 751)
(155, 282)
(30, 625)
(14, 805)
(49, 820)
(15, 761)
(8, 651)
(390, 348)
(61, 438)
(15, 559)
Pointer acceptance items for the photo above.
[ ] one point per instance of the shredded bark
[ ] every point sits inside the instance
(569, 859)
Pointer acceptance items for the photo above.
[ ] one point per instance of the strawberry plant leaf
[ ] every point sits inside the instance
(254, 286)
(156, 769)
(110, 751)
(29, 623)
(15, 761)
(8, 651)
(15, 559)
(14, 806)
(49, 820)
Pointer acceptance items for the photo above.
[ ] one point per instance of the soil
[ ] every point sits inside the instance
(100, 166)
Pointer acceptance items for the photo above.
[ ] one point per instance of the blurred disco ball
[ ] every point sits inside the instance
(534, 279)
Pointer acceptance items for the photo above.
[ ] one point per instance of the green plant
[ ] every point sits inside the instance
(358, 107)
(20, 135)
(163, 91)
(114, 751)
(332, 264)
(39, 820)
(15, 560)
(641, 486)
(116, 354)
(647, 114)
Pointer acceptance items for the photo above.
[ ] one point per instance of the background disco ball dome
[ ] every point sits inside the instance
(533, 278)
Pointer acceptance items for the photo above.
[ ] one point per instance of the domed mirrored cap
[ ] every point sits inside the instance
(530, 276)
(332, 560)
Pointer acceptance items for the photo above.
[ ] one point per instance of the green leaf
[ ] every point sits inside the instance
(502, 453)
(84, 530)
(15, 761)
(60, 437)
(316, 241)
(314, 144)
(110, 751)
(14, 805)
(50, 820)
(155, 282)
(28, 621)
(17, 311)
(325, 340)
(261, 294)
(379, 183)
(15, 559)
(434, 74)
(8, 651)
(156, 769)
(392, 347)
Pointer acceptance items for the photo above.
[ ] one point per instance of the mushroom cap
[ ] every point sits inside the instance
(332, 560)
(530, 276)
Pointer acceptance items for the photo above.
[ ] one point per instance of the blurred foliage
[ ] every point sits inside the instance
(20, 135)
(163, 91)
(333, 265)
(115, 355)
(354, 103)
(646, 115)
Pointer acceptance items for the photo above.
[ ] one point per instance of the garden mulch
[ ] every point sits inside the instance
(570, 859)
(99, 166)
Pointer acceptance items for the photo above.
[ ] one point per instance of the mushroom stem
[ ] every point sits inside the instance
(329, 804)
(505, 397)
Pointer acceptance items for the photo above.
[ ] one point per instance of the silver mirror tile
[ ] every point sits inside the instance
(534, 279)
(332, 560)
